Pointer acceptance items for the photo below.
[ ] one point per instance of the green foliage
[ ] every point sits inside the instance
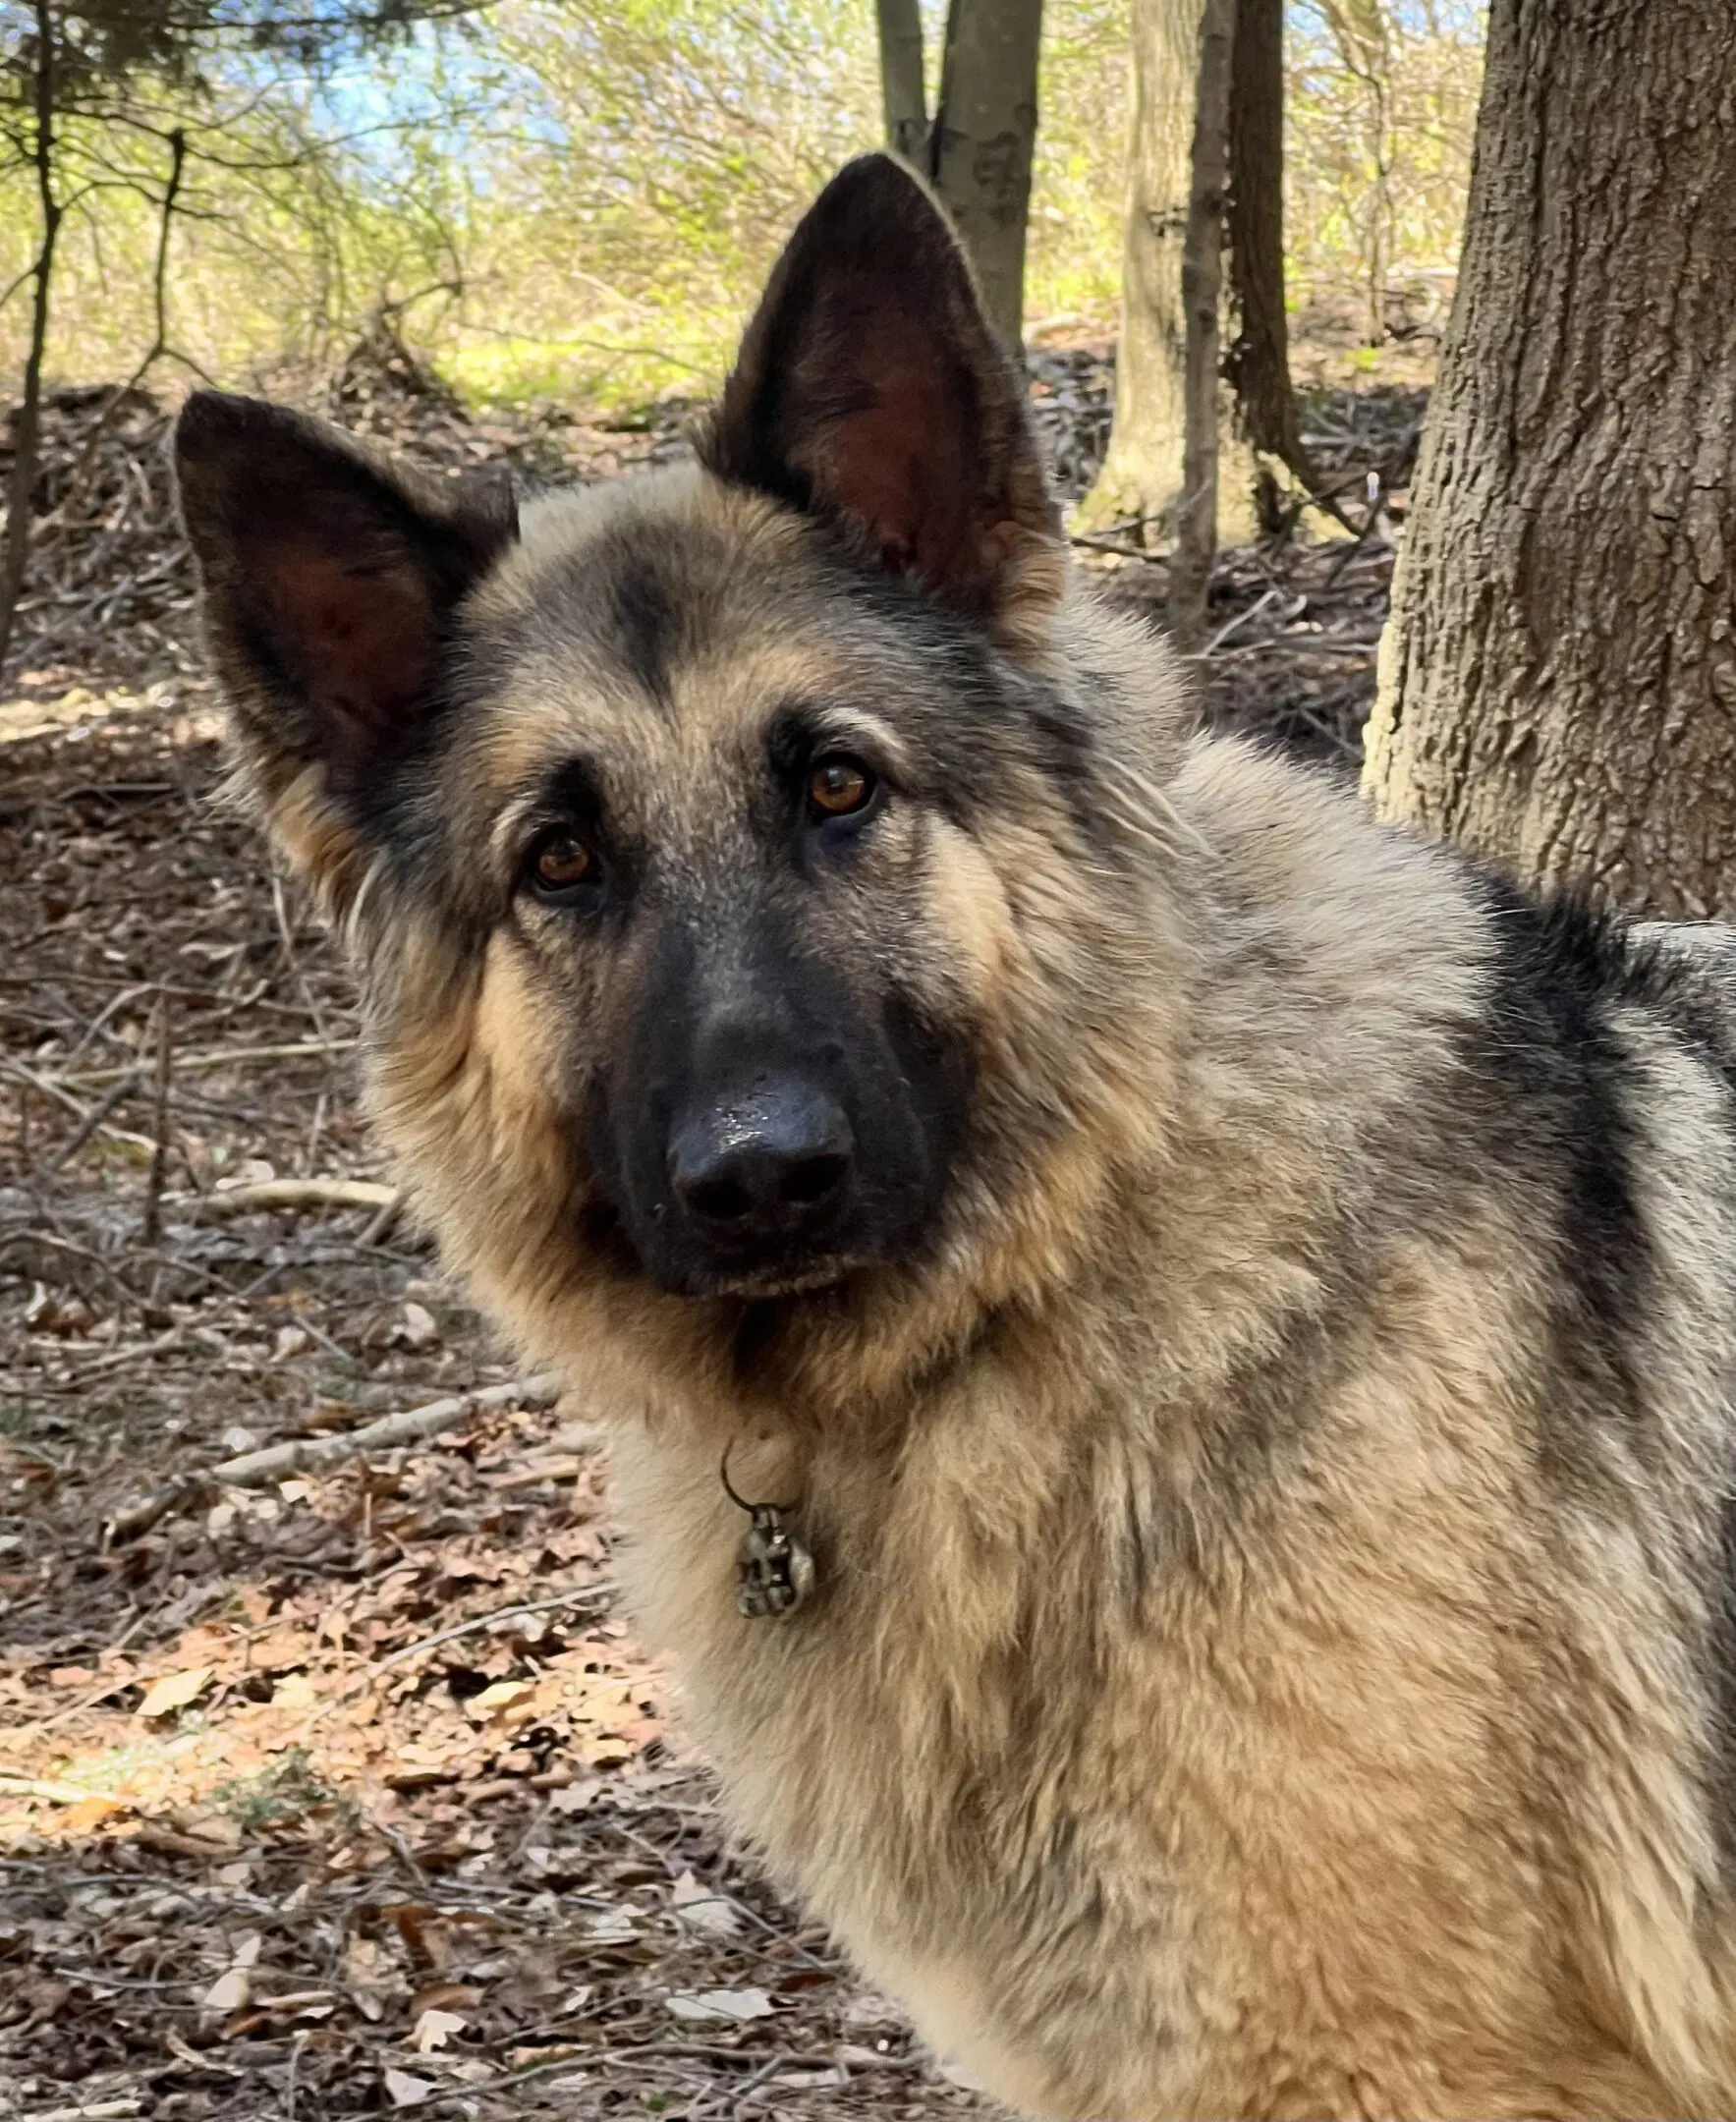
(1381, 114)
(580, 198)
(110, 42)
(290, 222)
(648, 159)
(286, 1791)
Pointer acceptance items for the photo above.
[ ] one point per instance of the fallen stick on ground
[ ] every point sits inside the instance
(44, 1788)
(286, 1194)
(252, 1469)
(108, 2110)
(186, 1064)
(93, 1119)
(57, 1095)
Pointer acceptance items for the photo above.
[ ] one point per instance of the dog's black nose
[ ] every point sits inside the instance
(772, 1163)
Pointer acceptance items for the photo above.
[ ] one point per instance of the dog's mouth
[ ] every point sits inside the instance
(606, 1234)
(794, 1280)
(753, 1281)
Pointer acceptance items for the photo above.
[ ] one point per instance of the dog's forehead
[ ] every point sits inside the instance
(649, 628)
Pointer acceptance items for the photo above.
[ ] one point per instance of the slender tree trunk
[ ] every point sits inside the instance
(1140, 482)
(982, 144)
(30, 417)
(1195, 544)
(1141, 472)
(1257, 364)
(901, 79)
(1558, 678)
(1360, 28)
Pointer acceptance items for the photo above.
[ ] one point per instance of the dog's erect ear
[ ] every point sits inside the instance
(871, 390)
(330, 576)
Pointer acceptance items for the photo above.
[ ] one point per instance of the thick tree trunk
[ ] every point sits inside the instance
(901, 79)
(1258, 361)
(984, 136)
(1558, 679)
(1140, 482)
(1196, 542)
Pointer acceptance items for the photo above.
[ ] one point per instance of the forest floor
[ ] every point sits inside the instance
(347, 1791)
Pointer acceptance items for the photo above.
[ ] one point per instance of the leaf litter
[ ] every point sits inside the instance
(348, 1792)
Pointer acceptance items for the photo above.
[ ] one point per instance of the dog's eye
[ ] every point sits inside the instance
(560, 862)
(839, 786)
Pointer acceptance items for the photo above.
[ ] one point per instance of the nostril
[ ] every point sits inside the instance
(770, 1165)
(812, 1180)
(720, 1200)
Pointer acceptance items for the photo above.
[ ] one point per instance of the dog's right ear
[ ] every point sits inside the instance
(872, 393)
(331, 578)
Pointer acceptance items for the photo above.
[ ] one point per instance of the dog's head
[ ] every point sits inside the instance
(750, 868)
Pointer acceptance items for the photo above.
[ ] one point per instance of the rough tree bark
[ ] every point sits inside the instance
(984, 136)
(28, 431)
(1196, 542)
(1558, 678)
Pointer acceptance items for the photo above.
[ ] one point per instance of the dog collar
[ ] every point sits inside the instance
(775, 1568)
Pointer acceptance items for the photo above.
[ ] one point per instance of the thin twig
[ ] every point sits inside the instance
(151, 1226)
(187, 1064)
(117, 1093)
(252, 1469)
(288, 1194)
(380, 1228)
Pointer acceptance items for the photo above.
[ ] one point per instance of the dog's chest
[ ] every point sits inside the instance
(1077, 1829)
(929, 1778)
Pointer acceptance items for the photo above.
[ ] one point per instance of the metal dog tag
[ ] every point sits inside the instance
(774, 1571)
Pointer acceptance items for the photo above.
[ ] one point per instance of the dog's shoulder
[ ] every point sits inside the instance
(1298, 847)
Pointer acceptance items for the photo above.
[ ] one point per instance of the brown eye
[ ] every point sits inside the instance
(839, 785)
(560, 861)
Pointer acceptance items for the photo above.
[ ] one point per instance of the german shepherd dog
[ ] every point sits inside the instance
(1170, 1348)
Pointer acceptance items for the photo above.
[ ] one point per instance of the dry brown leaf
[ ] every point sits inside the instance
(176, 1691)
(230, 1993)
(415, 1328)
(281, 1650)
(233, 1990)
(89, 1813)
(444, 1996)
(372, 1976)
(424, 1931)
(714, 2007)
(434, 2029)
(702, 1909)
(404, 2090)
(498, 1699)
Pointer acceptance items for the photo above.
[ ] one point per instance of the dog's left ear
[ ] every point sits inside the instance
(871, 391)
(331, 578)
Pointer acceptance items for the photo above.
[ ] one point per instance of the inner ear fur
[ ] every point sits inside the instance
(331, 575)
(871, 391)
